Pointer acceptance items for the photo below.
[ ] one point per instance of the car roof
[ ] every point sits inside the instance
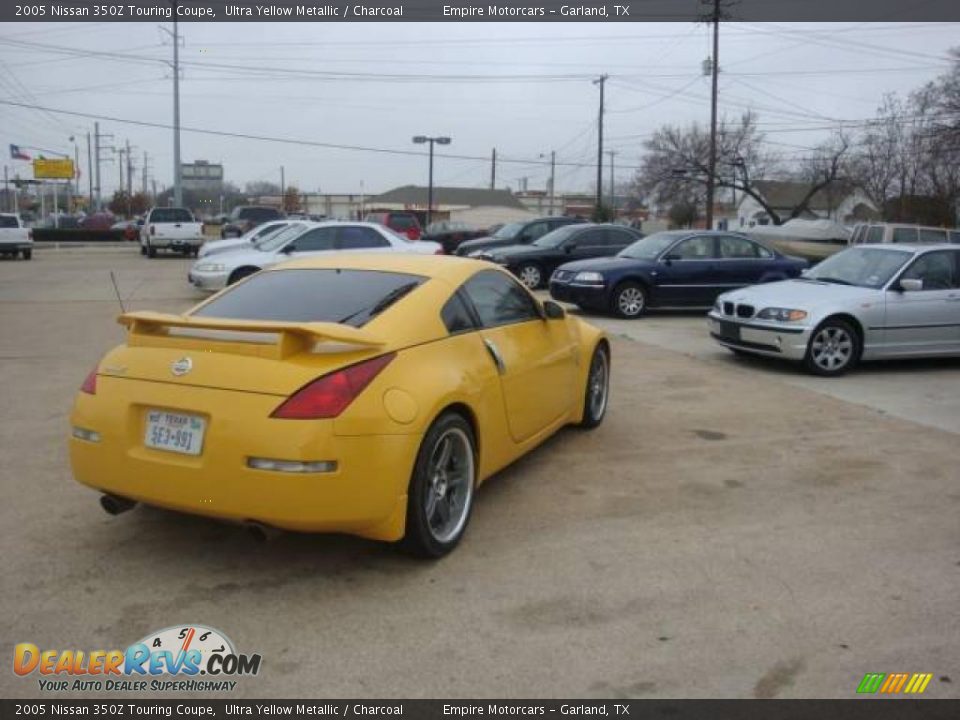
(911, 247)
(451, 268)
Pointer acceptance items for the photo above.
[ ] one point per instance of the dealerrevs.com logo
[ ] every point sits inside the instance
(179, 658)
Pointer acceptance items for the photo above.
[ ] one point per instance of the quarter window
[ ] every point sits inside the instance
(499, 300)
(455, 316)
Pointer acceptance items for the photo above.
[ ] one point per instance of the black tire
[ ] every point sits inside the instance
(143, 250)
(27, 254)
(834, 348)
(629, 300)
(596, 394)
(531, 275)
(240, 273)
(422, 538)
(151, 251)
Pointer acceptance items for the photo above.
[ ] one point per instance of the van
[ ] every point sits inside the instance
(880, 233)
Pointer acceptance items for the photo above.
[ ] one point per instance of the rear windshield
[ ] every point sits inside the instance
(8, 221)
(350, 297)
(171, 215)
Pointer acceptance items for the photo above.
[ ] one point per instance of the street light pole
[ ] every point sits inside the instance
(420, 140)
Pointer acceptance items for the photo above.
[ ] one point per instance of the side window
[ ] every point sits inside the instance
(357, 238)
(618, 238)
(938, 270)
(456, 317)
(534, 231)
(904, 235)
(875, 234)
(695, 248)
(499, 300)
(315, 240)
(738, 248)
(589, 238)
(929, 235)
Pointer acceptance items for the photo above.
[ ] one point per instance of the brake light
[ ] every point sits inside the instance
(330, 395)
(90, 384)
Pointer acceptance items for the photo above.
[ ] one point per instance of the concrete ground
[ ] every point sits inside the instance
(731, 530)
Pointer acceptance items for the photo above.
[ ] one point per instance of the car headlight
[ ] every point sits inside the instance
(781, 314)
(590, 278)
(210, 267)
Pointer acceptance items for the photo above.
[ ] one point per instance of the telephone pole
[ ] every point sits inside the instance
(144, 176)
(129, 173)
(493, 170)
(89, 174)
(177, 187)
(715, 69)
(553, 176)
(282, 189)
(601, 81)
(612, 154)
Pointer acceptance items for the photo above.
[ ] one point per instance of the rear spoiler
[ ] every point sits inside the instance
(294, 336)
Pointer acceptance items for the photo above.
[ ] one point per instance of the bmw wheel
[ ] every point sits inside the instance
(530, 275)
(442, 487)
(598, 388)
(834, 349)
(629, 300)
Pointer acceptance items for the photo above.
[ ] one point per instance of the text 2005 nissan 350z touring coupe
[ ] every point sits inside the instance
(360, 394)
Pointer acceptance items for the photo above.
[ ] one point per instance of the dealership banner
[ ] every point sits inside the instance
(480, 11)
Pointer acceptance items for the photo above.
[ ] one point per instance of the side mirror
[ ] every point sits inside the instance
(670, 258)
(552, 310)
(287, 249)
(911, 285)
(570, 247)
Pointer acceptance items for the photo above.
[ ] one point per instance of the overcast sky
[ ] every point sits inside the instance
(351, 84)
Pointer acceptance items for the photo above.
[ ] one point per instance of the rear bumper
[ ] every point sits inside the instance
(768, 340)
(174, 243)
(365, 495)
(15, 247)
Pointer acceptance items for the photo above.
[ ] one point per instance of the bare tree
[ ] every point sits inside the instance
(822, 170)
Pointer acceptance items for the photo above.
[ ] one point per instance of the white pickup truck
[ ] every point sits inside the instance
(14, 237)
(170, 228)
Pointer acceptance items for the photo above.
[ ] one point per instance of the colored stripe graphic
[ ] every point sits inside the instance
(893, 683)
(918, 683)
(871, 682)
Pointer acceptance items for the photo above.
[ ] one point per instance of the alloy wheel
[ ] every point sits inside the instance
(449, 487)
(530, 276)
(832, 348)
(630, 301)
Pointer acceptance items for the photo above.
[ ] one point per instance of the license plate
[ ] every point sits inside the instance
(729, 330)
(174, 432)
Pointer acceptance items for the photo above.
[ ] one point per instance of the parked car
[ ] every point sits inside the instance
(405, 223)
(517, 233)
(672, 269)
(246, 217)
(450, 233)
(97, 221)
(875, 233)
(14, 237)
(301, 240)
(535, 263)
(870, 302)
(213, 247)
(170, 228)
(368, 395)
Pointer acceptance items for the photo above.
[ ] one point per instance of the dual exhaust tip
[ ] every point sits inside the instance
(115, 505)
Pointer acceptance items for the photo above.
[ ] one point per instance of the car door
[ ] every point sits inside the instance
(356, 238)
(925, 321)
(312, 242)
(536, 358)
(740, 262)
(687, 273)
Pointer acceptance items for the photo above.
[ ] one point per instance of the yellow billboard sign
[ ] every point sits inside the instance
(57, 169)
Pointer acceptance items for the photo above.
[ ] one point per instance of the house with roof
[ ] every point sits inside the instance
(478, 207)
(840, 201)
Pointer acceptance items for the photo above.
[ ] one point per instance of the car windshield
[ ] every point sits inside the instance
(276, 240)
(555, 238)
(865, 267)
(650, 247)
(349, 297)
(508, 232)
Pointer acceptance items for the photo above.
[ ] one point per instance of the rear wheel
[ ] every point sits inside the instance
(27, 254)
(151, 251)
(834, 348)
(597, 391)
(530, 275)
(240, 273)
(629, 300)
(442, 487)
(143, 250)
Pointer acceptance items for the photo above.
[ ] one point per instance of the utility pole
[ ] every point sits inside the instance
(282, 189)
(96, 135)
(601, 81)
(177, 187)
(612, 154)
(6, 188)
(715, 69)
(553, 176)
(120, 165)
(129, 172)
(144, 174)
(493, 170)
(89, 175)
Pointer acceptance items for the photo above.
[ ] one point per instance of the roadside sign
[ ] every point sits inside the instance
(57, 169)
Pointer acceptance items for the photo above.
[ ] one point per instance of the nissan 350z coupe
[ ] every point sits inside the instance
(368, 395)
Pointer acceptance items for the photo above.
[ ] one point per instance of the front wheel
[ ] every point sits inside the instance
(151, 251)
(597, 391)
(834, 348)
(27, 254)
(530, 275)
(629, 300)
(441, 490)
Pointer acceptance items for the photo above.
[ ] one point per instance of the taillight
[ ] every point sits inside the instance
(153, 229)
(90, 384)
(330, 395)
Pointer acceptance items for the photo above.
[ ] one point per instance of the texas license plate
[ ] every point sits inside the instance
(174, 432)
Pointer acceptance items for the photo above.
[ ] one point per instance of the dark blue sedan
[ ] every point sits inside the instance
(674, 269)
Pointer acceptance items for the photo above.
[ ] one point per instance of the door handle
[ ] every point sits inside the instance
(495, 354)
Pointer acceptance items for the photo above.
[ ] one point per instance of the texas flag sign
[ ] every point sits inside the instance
(17, 154)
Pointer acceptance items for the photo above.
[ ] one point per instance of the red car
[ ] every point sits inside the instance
(404, 223)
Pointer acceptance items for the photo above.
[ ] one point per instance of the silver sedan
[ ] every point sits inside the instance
(869, 302)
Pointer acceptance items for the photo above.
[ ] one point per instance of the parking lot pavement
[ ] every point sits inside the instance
(923, 391)
(724, 533)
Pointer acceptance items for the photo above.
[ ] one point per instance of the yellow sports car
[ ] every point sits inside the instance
(364, 394)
